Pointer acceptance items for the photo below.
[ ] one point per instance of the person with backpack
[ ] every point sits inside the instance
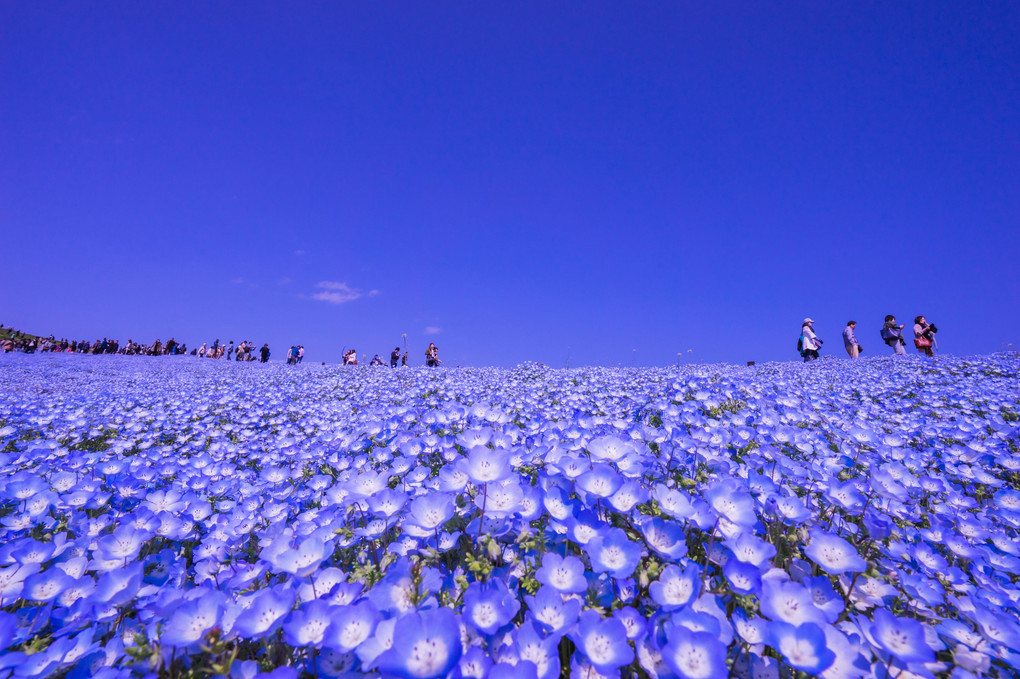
(892, 335)
(850, 342)
(809, 343)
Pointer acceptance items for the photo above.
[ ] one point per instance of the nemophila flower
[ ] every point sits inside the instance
(429, 645)
(351, 625)
(12, 581)
(609, 448)
(789, 602)
(29, 551)
(997, 628)
(629, 495)
(676, 588)
(825, 597)
(542, 652)
(600, 481)
(474, 663)
(902, 637)
(791, 508)
(750, 630)
(264, 611)
(8, 629)
(668, 539)
(307, 625)
(583, 526)
(572, 466)
(731, 501)
(744, 578)
(300, 561)
(694, 655)
(500, 499)
(122, 545)
(192, 620)
(803, 646)
(46, 586)
(489, 607)
(119, 585)
(558, 503)
(387, 502)
(834, 554)
(602, 641)
(751, 549)
(673, 502)
(483, 465)
(564, 574)
(551, 611)
(428, 512)
(613, 553)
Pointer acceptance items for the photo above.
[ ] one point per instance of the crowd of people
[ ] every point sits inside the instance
(30, 344)
(350, 357)
(891, 333)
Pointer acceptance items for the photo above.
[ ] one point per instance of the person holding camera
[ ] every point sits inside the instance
(892, 334)
(924, 336)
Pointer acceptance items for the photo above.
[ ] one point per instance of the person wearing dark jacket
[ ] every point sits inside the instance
(892, 335)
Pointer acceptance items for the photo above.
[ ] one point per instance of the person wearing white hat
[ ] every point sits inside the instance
(809, 341)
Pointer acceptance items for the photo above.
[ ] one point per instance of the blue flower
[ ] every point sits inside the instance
(730, 499)
(489, 607)
(676, 588)
(265, 611)
(902, 637)
(694, 655)
(614, 553)
(350, 626)
(834, 554)
(744, 578)
(602, 641)
(551, 611)
(601, 481)
(307, 625)
(429, 645)
(803, 646)
(192, 620)
(668, 539)
(483, 465)
(562, 574)
(430, 512)
(789, 602)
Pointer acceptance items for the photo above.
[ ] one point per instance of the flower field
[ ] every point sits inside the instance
(185, 518)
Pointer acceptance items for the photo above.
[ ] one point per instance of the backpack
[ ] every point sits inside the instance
(800, 344)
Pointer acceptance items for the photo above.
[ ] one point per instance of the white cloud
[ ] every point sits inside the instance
(335, 292)
(432, 330)
(373, 293)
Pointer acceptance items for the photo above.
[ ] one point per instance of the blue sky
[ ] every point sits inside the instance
(613, 182)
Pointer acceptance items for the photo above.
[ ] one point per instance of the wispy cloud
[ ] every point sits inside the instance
(335, 292)
(432, 330)
(373, 293)
(237, 281)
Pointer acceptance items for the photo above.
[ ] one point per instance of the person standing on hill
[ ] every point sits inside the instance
(924, 336)
(810, 341)
(395, 357)
(850, 340)
(892, 335)
(432, 355)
